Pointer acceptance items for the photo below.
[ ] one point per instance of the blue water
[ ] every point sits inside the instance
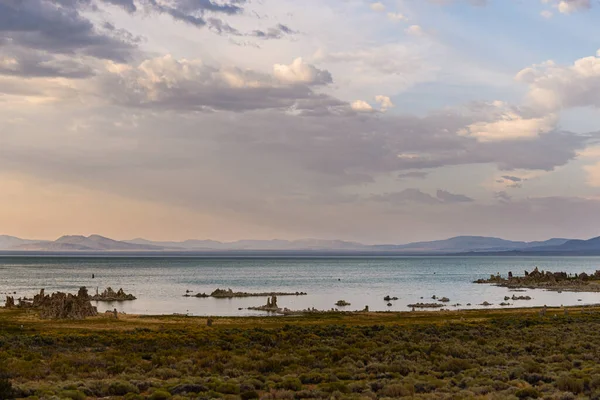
(160, 283)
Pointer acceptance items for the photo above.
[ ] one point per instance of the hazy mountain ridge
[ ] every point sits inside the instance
(459, 244)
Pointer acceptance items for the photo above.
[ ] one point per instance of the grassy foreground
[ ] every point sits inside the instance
(492, 354)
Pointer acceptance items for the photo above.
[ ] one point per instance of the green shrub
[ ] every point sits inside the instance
(568, 383)
(397, 390)
(527, 393)
(290, 383)
(73, 395)
(160, 395)
(121, 388)
(228, 388)
(6, 389)
(251, 394)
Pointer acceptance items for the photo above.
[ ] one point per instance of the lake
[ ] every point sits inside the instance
(159, 283)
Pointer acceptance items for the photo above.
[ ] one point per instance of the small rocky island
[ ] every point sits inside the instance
(110, 295)
(271, 306)
(57, 305)
(229, 294)
(554, 281)
(342, 303)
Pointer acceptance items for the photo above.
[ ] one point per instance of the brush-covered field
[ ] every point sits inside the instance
(494, 354)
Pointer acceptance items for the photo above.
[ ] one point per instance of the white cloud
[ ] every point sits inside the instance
(415, 30)
(361, 106)
(378, 7)
(301, 72)
(554, 87)
(571, 6)
(385, 102)
(510, 126)
(392, 16)
(593, 174)
(590, 152)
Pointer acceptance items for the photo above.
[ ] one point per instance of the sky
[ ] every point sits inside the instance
(375, 121)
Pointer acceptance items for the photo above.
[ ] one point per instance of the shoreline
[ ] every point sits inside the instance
(359, 317)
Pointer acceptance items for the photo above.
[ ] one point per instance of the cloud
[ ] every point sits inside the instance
(547, 14)
(378, 7)
(447, 197)
(172, 84)
(412, 175)
(301, 72)
(51, 27)
(478, 3)
(593, 174)
(571, 6)
(502, 196)
(413, 195)
(510, 126)
(407, 196)
(32, 63)
(394, 16)
(553, 87)
(361, 106)
(276, 32)
(415, 30)
(385, 102)
(512, 178)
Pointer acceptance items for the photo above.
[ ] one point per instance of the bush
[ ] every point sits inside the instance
(527, 393)
(121, 388)
(568, 383)
(251, 394)
(6, 389)
(160, 395)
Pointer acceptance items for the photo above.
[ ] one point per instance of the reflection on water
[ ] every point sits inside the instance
(160, 283)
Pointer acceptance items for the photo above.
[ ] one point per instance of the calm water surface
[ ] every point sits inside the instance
(160, 282)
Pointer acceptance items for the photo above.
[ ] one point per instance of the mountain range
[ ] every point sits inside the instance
(455, 245)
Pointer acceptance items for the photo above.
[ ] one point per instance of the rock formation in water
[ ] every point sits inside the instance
(60, 305)
(342, 303)
(10, 302)
(110, 295)
(271, 305)
(226, 294)
(556, 281)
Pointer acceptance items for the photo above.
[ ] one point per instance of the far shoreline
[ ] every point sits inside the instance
(308, 254)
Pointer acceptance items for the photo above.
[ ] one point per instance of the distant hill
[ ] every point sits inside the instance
(455, 245)
(9, 242)
(83, 243)
(461, 244)
(304, 244)
(590, 245)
